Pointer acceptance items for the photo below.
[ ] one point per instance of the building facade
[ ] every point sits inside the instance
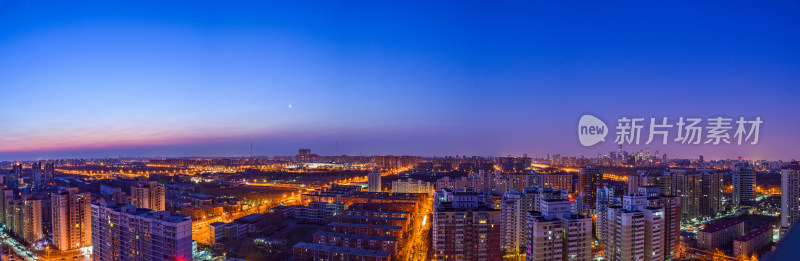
(72, 220)
(790, 197)
(148, 195)
(554, 233)
(125, 232)
(720, 234)
(374, 181)
(590, 178)
(466, 229)
(744, 183)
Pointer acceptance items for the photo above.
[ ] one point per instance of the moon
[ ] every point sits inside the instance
(290, 106)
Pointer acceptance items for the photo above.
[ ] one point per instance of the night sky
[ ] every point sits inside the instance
(139, 78)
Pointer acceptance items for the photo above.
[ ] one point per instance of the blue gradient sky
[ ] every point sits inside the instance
(140, 78)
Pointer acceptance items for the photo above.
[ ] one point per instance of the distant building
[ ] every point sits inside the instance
(148, 195)
(744, 183)
(374, 181)
(315, 212)
(412, 186)
(125, 232)
(554, 180)
(49, 172)
(72, 220)
(699, 191)
(590, 178)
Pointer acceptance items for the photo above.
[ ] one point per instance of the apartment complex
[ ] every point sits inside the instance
(514, 209)
(148, 194)
(753, 243)
(23, 216)
(125, 232)
(720, 234)
(635, 231)
(412, 186)
(466, 229)
(590, 178)
(72, 220)
(554, 233)
(553, 180)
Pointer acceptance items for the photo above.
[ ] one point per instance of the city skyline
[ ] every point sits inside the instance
(90, 80)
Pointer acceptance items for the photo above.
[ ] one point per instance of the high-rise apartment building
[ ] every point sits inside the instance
(590, 178)
(148, 195)
(23, 216)
(744, 183)
(554, 180)
(374, 180)
(513, 223)
(125, 232)
(711, 191)
(605, 199)
(554, 233)
(49, 172)
(699, 191)
(466, 229)
(71, 219)
(514, 214)
(635, 230)
(790, 197)
(36, 173)
(672, 218)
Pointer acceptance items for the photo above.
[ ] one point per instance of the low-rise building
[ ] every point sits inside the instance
(753, 243)
(368, 242)
(312, 252)
(720, 234)
(315, 212)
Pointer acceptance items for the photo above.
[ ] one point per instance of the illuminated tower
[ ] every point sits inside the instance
(374, 180)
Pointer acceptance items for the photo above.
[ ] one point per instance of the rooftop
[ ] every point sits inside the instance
(339, 224)
(754, 233)
(370, 217)
(252, 218)
(343, 250)
(357, 236)
(720, 225)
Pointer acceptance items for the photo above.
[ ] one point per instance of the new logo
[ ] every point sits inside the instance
(591, 130)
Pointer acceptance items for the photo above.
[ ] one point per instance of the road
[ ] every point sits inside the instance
(417, 242)
(18, 249)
